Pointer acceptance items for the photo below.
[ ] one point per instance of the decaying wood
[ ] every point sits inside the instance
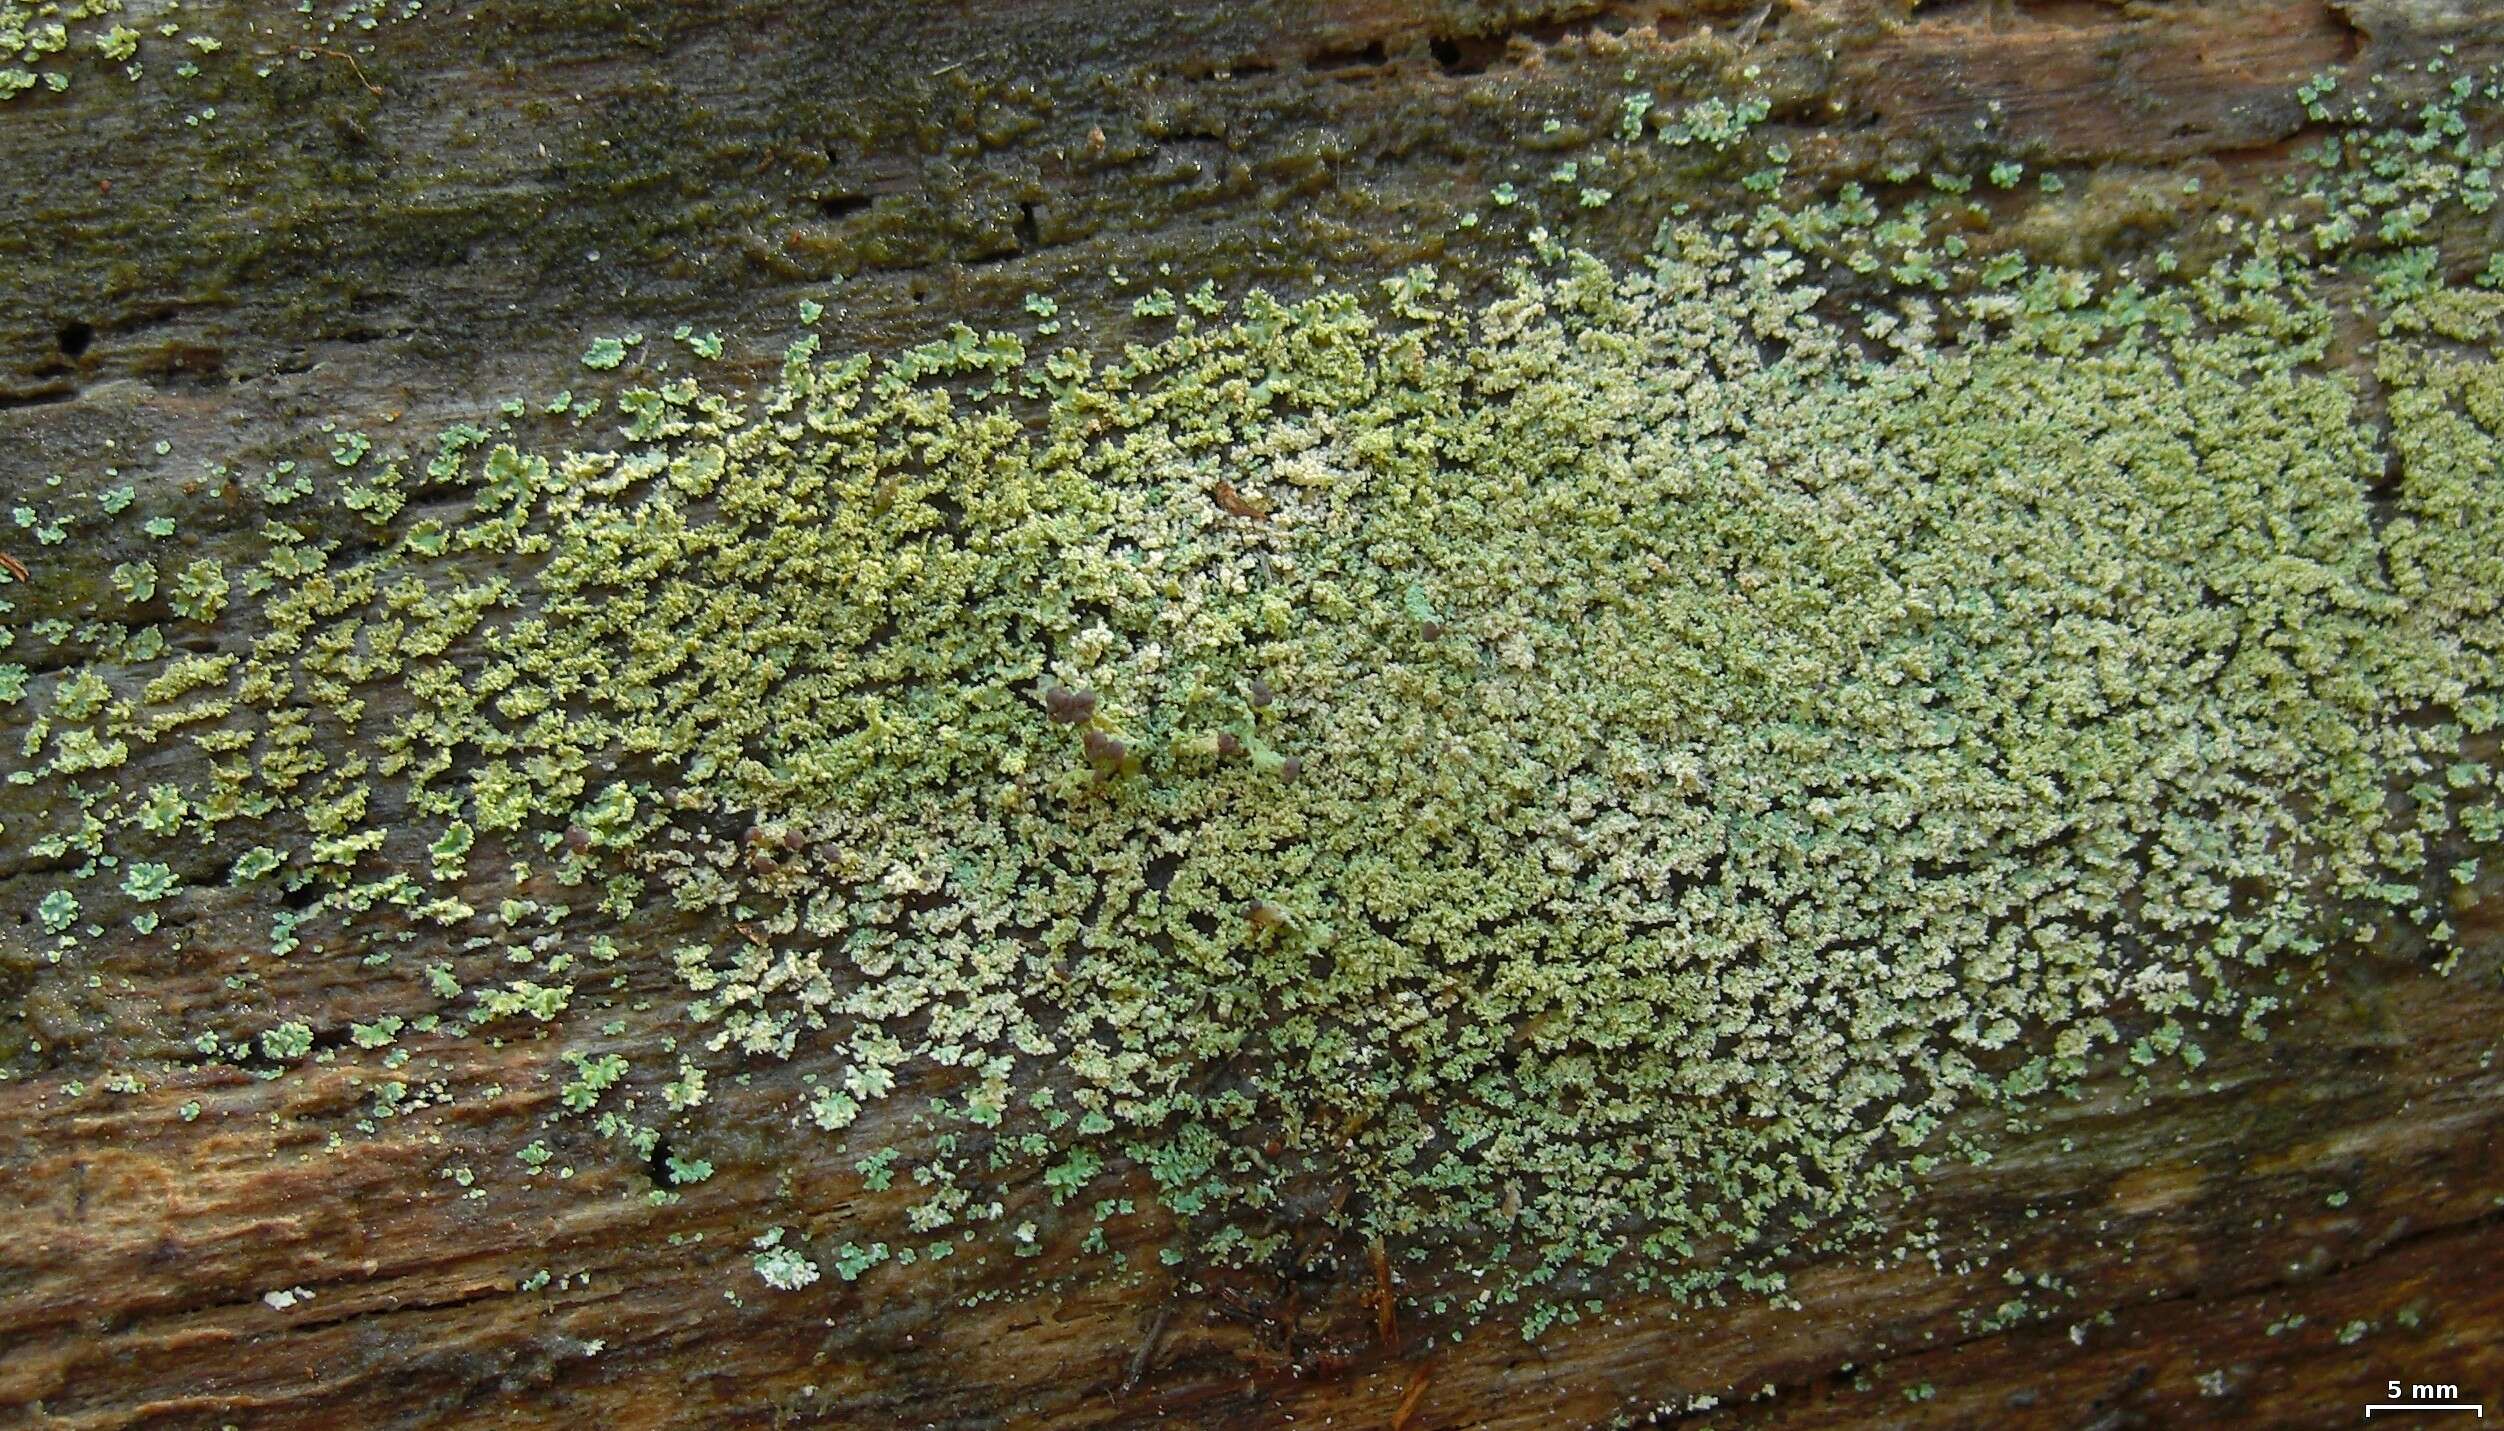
(406, 237)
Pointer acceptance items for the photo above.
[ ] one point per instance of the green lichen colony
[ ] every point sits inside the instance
(1600, 771)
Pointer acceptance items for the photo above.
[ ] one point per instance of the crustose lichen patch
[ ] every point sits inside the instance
(1601, 772)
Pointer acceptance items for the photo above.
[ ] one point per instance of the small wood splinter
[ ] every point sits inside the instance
(1143, 1358)
(1225, 494)
(1407, 1409)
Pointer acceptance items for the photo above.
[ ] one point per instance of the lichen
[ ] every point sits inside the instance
(781, 1266)
(1604, 770)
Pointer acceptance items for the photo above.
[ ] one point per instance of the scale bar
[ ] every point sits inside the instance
(2425, 1406)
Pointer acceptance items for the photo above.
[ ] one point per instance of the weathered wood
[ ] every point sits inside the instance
(404, 236)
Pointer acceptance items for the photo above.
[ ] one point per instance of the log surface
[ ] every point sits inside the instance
(401, 226)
